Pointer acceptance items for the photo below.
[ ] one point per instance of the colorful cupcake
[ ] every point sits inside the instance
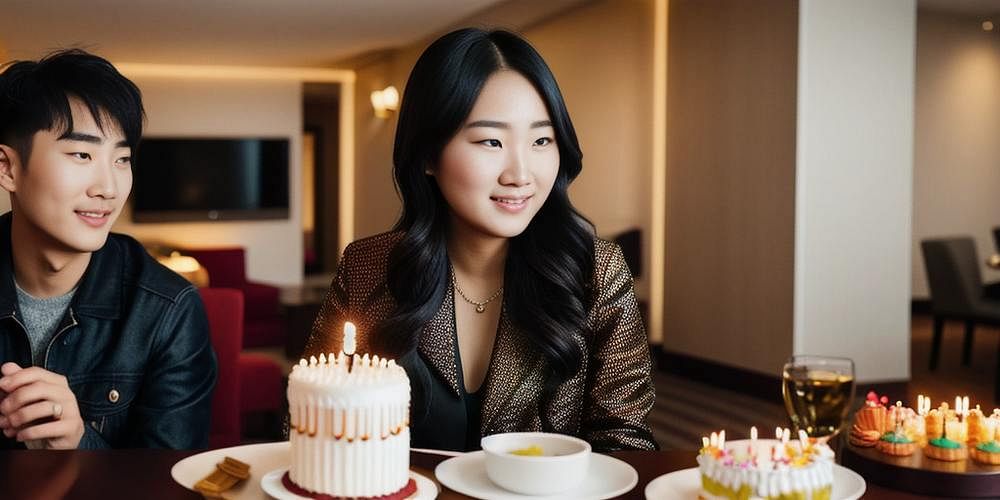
(897, 444)
(946, 450)
(987, 453)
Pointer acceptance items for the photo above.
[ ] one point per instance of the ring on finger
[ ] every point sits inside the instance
(57, 411)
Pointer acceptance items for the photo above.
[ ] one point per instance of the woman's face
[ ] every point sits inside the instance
(499, 168)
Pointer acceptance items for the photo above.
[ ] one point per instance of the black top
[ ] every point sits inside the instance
(474, 412)
(440, 419)
(473, 402)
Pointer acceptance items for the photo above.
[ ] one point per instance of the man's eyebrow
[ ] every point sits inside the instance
(79, 136)
(92, 139)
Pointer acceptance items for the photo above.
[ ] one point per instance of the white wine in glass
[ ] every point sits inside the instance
(818, 391)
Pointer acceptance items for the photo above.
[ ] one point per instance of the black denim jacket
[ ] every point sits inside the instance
(134, 345)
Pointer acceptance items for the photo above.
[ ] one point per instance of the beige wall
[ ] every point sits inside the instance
(230, 108)
(601, 54)
(731, 181)
(955, 176)
(376, 204)
(602, 57)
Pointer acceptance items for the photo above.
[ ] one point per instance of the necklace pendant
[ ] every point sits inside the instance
(480, 308)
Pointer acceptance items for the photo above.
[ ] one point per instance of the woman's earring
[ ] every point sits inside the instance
(428, 172)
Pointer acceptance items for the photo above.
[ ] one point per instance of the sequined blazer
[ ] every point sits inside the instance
(606, 402)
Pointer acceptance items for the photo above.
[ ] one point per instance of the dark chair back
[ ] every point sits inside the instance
(996, 238)
(224, 308)
(631, 244)
(953, 274)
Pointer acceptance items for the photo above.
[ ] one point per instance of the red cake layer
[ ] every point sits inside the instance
(405, 492)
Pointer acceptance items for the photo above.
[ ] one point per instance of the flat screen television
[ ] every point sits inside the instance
(200, 179)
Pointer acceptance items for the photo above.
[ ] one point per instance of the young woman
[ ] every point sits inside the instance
(492, 290)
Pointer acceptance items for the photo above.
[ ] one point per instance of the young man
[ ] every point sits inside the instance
(100, 346)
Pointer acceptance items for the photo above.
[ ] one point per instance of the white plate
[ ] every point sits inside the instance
(261, 458)
(686, 484)
(272, 485)
(607, 477)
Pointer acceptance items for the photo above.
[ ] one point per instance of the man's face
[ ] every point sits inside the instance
(73, 187)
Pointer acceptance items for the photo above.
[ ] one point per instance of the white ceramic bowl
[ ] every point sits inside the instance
(561, 468)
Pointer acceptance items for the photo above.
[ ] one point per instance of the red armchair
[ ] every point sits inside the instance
(248, 382)
(264, 325)
(224, 308)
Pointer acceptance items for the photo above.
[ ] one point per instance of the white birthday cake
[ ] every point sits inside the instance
(349, 428)
(770, 469)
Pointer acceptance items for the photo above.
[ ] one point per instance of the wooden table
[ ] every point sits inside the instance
(145, 474)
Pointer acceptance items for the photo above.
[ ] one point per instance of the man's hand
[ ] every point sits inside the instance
(37, 405)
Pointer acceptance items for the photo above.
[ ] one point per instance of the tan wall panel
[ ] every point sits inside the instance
(731, 122)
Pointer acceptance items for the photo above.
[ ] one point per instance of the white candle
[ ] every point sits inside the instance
(753, 441)
(923, 405)
(714, 440)
(350, 342)
(803, 439)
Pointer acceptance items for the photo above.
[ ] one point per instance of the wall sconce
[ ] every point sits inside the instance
(385, 101)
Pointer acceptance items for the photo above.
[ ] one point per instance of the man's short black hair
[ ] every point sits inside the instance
(35, 96)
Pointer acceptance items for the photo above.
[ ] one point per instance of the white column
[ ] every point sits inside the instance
(854, 178)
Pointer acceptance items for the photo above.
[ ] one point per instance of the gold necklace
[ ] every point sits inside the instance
(480, 305)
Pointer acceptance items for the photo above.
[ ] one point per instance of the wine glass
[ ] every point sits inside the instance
(818, 391)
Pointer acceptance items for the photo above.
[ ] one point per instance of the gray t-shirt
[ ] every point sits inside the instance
(41, 318)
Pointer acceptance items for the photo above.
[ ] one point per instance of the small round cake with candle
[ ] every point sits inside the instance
(950, 430)
(765, 468)
(349, 427)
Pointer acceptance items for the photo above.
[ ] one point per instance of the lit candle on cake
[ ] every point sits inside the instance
(753, 442)
(923, 405)
(347, 412)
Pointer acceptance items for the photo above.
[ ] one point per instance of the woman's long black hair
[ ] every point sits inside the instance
(548, 266)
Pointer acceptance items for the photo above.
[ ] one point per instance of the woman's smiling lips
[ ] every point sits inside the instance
(513, 204)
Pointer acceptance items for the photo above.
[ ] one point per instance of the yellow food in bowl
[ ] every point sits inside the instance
(531, 451)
